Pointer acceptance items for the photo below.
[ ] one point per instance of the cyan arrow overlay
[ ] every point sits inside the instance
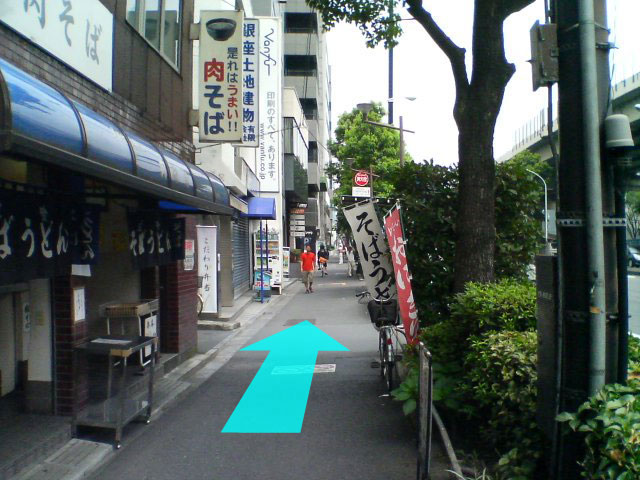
(276, 403)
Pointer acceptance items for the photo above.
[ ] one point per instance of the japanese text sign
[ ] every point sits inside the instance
(155, 239)
(42, 236)
(250, 80)
(406, 302)
(221, 63)
(372, 249)
(270, 128)
(78, 32)
(207, 267)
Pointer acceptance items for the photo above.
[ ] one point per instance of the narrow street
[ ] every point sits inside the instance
(349, 430)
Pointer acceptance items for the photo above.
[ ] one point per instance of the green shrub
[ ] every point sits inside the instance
(500, 373)
(610, 422)
(487, 307)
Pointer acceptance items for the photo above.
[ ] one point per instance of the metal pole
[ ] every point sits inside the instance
(401, 143)
(593, 200)
(390, 103)
(546, 209)
(371, 177)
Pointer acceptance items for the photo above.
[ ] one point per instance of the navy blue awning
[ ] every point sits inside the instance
(261, 208)
(38, 121)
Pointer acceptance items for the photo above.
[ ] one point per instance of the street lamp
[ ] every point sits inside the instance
(365, 108)
(546, 214)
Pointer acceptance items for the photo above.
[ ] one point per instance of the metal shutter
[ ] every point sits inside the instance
(241, 257)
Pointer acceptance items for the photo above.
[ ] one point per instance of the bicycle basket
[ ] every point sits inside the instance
(383, 313)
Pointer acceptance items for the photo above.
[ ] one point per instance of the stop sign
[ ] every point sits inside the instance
(361, 178)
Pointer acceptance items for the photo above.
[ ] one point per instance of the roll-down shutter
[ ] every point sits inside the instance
(241, 257)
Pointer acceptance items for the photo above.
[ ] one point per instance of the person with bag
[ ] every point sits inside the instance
(323, 260)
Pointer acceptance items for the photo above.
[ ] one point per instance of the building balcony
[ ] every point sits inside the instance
(314, 176)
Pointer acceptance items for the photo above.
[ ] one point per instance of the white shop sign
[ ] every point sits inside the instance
(207, 267)
(250, 81)
(220, 72)
(77, 32)
(270, 134)
(361, 191)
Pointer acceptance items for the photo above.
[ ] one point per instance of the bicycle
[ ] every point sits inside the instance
(385, 318)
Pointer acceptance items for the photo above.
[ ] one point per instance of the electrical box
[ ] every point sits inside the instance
(544, 54)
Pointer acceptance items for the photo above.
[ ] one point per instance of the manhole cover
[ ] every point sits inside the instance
(295, 321)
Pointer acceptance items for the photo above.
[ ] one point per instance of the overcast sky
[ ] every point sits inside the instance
(359, 74)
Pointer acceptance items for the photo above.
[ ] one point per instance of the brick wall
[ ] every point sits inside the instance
(179, 322)
(44, 67)
(70, 392)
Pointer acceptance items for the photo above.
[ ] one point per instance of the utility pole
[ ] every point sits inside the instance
(588, 323)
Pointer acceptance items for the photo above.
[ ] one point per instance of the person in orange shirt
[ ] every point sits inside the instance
(308, 261)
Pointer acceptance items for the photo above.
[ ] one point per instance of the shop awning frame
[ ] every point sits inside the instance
(39, 122)
(261, 208)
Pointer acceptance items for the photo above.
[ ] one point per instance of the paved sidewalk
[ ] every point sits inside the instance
(350, 430)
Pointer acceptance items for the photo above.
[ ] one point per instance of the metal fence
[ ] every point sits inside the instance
(425, 412)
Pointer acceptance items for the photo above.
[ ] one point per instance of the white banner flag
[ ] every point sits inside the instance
(372, 249)
(208, 267)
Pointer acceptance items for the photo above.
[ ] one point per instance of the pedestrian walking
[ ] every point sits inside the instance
(351, 261)
(323, 260)
(308, 263)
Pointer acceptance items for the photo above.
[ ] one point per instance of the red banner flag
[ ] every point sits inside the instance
(408, 310)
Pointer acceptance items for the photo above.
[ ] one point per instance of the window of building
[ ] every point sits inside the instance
(313, 151)
(300, 65)
(158, 21)
(301, 22)
(310, 108)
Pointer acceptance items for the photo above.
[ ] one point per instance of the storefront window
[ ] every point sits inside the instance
(158, 21)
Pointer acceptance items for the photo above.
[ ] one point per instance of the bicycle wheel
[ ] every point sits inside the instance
(390, 367)
(382, 348)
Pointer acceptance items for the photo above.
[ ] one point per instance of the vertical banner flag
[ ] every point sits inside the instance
(250, 82)
(406, 302)
(270, 130)
(374, 258)
(207, 267)
(220, 93)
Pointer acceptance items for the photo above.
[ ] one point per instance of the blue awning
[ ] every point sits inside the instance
(38, 121)
(261, 208)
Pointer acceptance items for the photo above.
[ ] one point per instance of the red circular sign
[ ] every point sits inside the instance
(361, 178)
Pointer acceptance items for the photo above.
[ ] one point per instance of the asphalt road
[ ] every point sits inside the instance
(349, 430)
(634, 303)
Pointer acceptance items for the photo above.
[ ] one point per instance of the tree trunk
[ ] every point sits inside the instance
(475, 225)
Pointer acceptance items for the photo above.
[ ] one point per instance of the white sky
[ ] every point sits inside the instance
(360, 74)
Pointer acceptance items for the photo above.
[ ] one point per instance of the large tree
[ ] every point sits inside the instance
(479, 96)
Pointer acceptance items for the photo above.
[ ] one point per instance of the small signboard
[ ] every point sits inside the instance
(361, 178)
(361, 191)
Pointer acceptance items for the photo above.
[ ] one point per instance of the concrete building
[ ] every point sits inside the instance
(306, 69)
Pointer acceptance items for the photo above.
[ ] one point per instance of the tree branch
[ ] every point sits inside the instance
(454, 53)
(512, 6)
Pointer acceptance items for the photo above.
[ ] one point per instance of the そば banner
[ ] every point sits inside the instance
(372, 249)
(221, 65)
